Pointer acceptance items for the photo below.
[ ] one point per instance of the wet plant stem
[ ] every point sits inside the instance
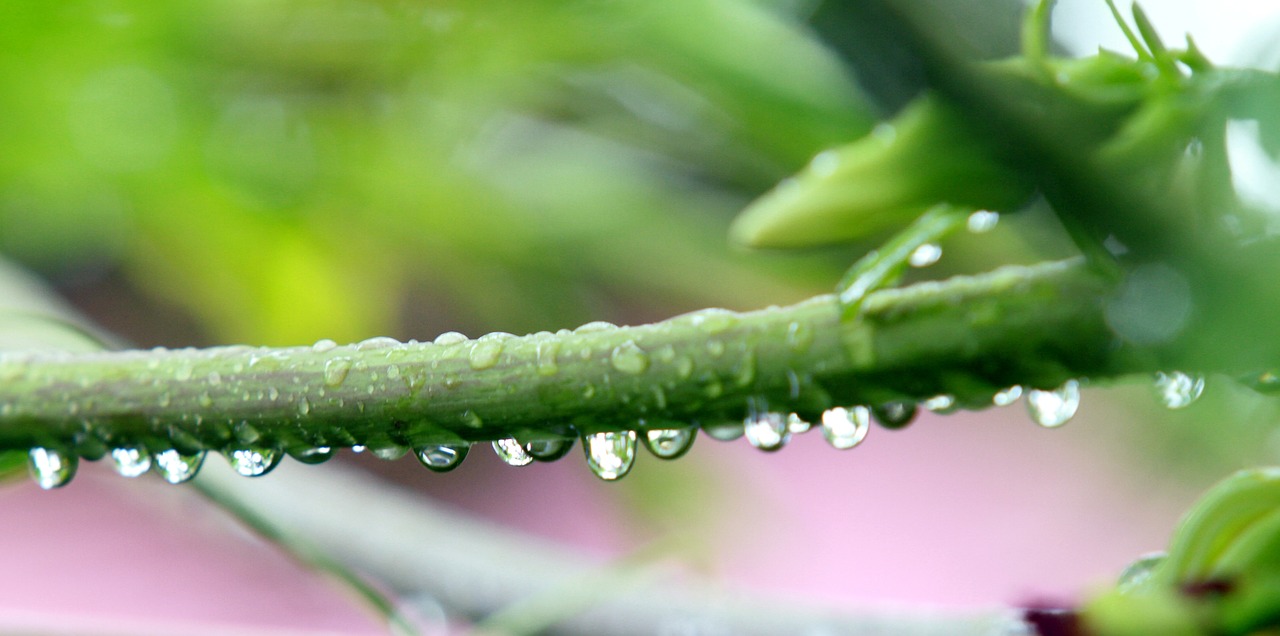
(967, 336)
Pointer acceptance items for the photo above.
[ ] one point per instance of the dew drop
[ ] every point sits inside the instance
(389, 451)
(1139, 572)
(1007, 396)
(714, 321)
(546, 359)
(304, 406)
(925, 255)
(449, 338)
(312, 454)
(1267, 382)
(683, 366)
(940, 403)
(323, 345)
(1176, 389)
(799, 336)
(669, 443)
(512, 452)
(715, 348)
(764, 429)
(596, 327)
(1051, 409)
(130, 461)
(380, 342)
(442, 458)
(723, 431)
(894, 415)
(484, 353)
(246, 433)
(175, 467)
(628, 357)
(51, 468)
(548, 450)
(335, 371)
(845, 428)
(982, 221)
(611, 454)
(205, 400)
(253, 461)
(797, 425)
(273, 393)
(183, 373)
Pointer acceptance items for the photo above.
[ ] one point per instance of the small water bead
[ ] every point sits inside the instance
(323, 345)
(797, 425)
(1139, 572)
(380, 342)
(1051, 409)
(629, 358)
(313, 454)
(335, 371)
(449, 338)
(940, 403)
(253, 461)
(799, 336)
(845, 428)
(925, 255)
(1178, 390)
(894, 415)
(442, 458)
(669, 443)
(548, 450)
(1007, 396)
(765, 429)
(723, 431)
(1267, 382)
(357, 448)
(546, 359)
(389, 451)
(246, 433)
(51, 468)
(484, 353)
(304, 406)
(714, 321)
(610, 455)
(982, 221)
(130, 461)
(175, 467)
(596, 327)
(512, 452)
(183, 373)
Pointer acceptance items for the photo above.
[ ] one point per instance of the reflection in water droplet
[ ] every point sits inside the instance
(925, 255)
(442, 458)
(130, 461)
(1054, 408)
(940, 403)
(389, 451)
(380, 342)
(512, 452)
(723, 431)
(610, 455)
(763, 429)
(335, 371)
(628, 357)
(1177, 389)
(51, 468)
(324, 345)
(1267, 382)
(1137, 573)
(1007, 396)
(797, 425)
(548, 450)
(845, 428)
(595, 327)
(313, 454)
(669, 443)
(484, 353)
(304, 406)
(983, 221)
(253, 461)
(894, 415)
(176, 467)
(449, 338)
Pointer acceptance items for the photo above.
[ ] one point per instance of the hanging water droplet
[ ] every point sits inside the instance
(723, 431)
(764, 429)
(175, 467)
(845, 428)
(449, 338)
(357, 448)
(894, 415)
(982, 221)
(669, 443)
(131, 461)
(512, 452)
(388, 451)
(253, 461)
(548, 450)
(797, 425)
(925, 255)
(940, 403)
(323, 345)
(442, 458)
(1007, 396)
(1051, 409)
(51, 468)
(628, 357)
(484, 353)
(312, 454)
(611, 454)
(335, 371)
(1176, 389)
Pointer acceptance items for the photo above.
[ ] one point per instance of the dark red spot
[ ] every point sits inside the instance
(1208, 588)
(1053, 621)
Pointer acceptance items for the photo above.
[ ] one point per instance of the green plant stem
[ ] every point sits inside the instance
(968, 336)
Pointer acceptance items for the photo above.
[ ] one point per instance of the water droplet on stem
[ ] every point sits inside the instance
(51, 468)
(610, 455)
(845, 428)
(1052, 409)
(669, 443)
(442, 458)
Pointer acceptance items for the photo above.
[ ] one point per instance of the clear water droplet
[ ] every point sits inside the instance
(183, 373)
(380, 342)
(512, 452)
(175, 467)
(548, 450)
(253, 461)
(1137, 573)
(845, 428)
(669, 443)
(1007, 396)
(442, 458)
(312, 454)
(983, 221)
(304, 406)
(628, 357)
(130, 461)
(764, 429)
(323, 345)
(51, 468)
(1267, 382)
(895, 415)
(484, 353)
(449, 338)
(925, 255)
(799, 336)
(940, 403)
(723, 431)
(246, 433)
(611, 454)
(1052, 409)
(357, 448)
(546, 358)
(1177, 390)
(797, 425)
(714, 321)
(388, 451)
(335, 371)
(596, 327)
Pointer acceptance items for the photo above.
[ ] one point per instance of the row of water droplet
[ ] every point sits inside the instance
(611, 454)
